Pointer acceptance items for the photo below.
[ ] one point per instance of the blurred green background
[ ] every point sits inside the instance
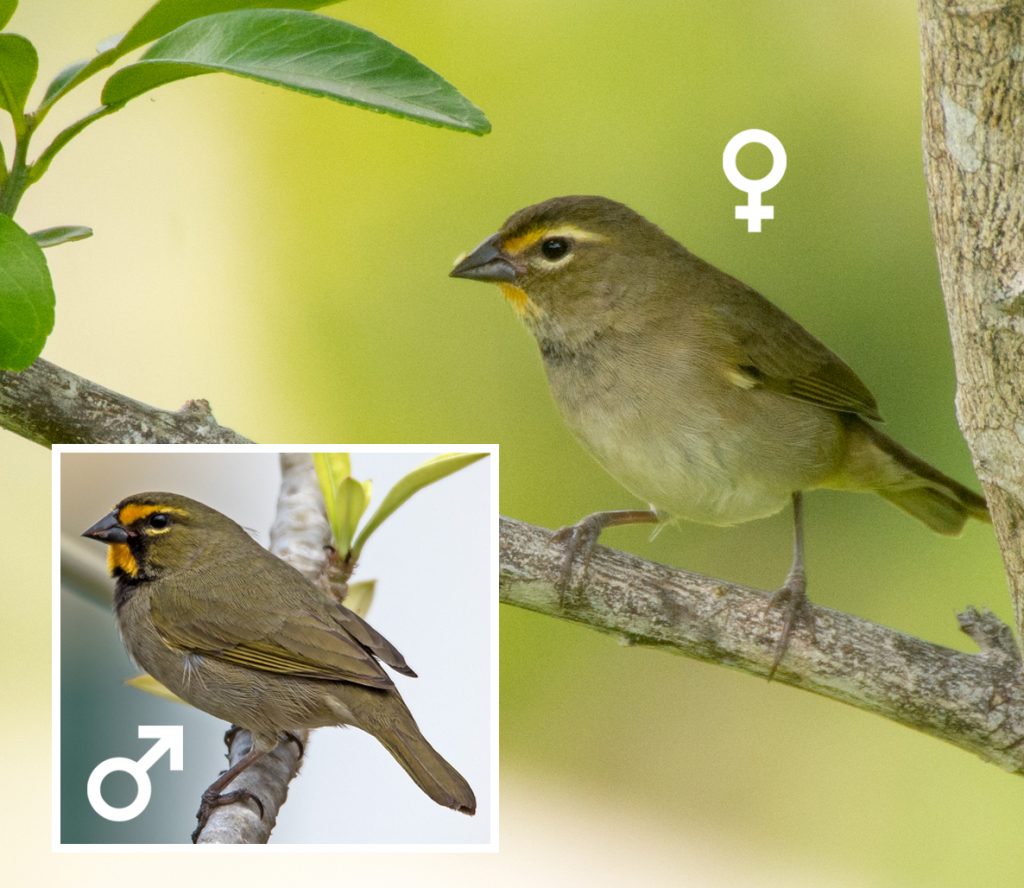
(287, 257)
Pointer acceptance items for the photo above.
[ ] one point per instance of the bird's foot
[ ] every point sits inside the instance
(579, 540)
(230, 734)
(294, 738)
(212, 799)
(334, 574)
(792, 599)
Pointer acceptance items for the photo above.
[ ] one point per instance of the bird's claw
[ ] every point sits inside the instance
(230, 734)
(294, 738)
(213, 799)
(792, 598)
(579, 540)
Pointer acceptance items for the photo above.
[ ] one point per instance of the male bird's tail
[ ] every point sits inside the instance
(389, 720)
(876, 462)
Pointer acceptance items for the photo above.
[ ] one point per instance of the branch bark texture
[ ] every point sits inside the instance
(49, 405)
(975, 701)
(299, 535)
(973, 76)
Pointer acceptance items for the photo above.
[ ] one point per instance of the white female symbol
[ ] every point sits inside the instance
(753, 211)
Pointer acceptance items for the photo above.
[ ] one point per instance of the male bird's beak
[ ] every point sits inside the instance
(107, 530)
(485, 263)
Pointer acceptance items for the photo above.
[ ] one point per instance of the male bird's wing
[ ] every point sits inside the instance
(298, 632)
(772, 351)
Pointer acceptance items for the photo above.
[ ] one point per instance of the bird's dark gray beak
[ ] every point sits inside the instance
(107, 530)
(485, 263)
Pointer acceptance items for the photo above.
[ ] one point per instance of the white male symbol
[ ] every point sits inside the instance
(169, 738)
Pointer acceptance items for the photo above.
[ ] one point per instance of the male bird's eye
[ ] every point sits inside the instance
(159, 520)
(554, 248)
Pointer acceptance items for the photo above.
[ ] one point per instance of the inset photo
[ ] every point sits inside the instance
(221, 613)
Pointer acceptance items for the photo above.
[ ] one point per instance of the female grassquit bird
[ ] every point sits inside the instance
(693, 390)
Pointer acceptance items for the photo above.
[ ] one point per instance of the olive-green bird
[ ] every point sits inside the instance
(242, 635)
(693, 390)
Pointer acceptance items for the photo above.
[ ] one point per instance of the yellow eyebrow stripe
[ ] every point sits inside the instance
(522, 242)
(132, 512)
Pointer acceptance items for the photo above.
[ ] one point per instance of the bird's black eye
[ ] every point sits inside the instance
(159, 520)
(554, 248)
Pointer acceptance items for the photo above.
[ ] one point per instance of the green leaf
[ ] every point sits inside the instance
(162, 18)
(432, 470)
(360, 596)
(351, 500)
(308, 53)
(166, 15)
(331, 470)
(26, 297)
(62, 79)
(7, 8)
(60, 234)
(19, 64)
(108, 43)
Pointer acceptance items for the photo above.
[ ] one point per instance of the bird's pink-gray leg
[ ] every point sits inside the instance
(213, 798)
(792, 597)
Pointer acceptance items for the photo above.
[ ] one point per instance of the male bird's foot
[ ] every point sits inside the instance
(294, 738)
(230, 734)
(334, 574)
(213, 799)
(792, 598)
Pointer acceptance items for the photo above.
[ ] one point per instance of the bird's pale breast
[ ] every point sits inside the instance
(686, 440)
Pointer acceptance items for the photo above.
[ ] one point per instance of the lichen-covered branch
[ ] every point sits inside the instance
(50, 405)
(299, 535)
(975, 701)
(973, 74)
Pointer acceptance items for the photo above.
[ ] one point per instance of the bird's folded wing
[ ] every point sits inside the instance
(370, 638)
(774, 352)
(289, 641)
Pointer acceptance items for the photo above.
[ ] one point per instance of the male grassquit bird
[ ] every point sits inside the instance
(237, 632)
(693, 390)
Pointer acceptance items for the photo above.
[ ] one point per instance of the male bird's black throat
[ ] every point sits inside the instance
(124, 589)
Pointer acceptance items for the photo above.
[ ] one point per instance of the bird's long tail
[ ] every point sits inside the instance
(878, 463)
(396, 729)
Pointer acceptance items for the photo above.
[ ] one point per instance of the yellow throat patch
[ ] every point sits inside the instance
(119, 557)
(517, 298)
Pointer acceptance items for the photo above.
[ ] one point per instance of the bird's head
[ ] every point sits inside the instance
(153, 534)
(571, 265)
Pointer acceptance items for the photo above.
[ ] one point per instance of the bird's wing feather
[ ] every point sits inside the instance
(301, 633)
(772, 351)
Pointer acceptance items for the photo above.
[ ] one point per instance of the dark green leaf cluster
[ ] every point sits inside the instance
(273, 41)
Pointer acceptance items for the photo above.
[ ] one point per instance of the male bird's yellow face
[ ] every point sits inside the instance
(152, 533)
